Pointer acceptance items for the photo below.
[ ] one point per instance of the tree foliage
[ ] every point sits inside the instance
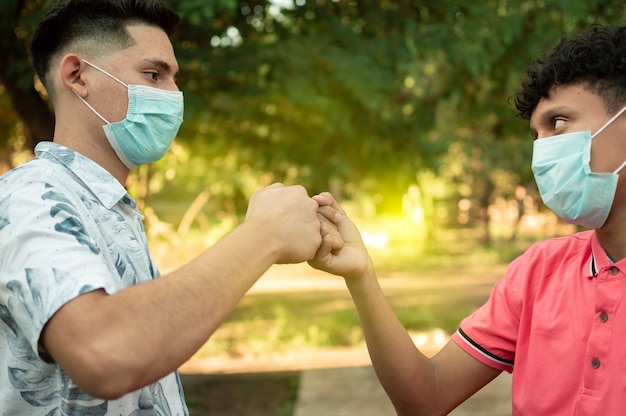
(359, 96)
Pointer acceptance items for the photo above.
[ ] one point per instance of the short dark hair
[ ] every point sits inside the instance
(101, 23)
(595, 59)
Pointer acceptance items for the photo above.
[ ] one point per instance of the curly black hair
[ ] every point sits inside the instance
(595, 59)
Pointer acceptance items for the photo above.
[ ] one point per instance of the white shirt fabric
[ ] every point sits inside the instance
(67, 227)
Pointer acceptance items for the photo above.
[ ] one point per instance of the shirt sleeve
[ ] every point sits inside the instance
(490, 333)
(47, 256)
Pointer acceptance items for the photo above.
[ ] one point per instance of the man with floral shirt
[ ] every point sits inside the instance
(87, 326)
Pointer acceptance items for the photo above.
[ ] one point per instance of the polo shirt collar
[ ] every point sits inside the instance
(108, 190)
(599, 257)
(593, 270)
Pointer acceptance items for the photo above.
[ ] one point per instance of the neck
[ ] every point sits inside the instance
(613, 241)
(94, 146)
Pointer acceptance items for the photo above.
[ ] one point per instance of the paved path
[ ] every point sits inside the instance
(355, 391)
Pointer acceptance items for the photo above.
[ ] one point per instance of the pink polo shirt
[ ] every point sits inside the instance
(558, 322)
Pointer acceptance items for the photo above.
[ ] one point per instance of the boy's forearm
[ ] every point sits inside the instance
(407, 375)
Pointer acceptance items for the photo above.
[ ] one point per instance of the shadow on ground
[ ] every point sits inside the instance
(247, 394)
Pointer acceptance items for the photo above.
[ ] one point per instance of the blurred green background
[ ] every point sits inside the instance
(401, 108)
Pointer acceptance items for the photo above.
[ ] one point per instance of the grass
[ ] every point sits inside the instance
(285, 321)
(280, 322)
(447, 279)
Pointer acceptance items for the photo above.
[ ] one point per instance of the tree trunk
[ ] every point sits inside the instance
(17, 75)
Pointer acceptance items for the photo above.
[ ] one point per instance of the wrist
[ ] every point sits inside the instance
(264, 242)
(363, 279)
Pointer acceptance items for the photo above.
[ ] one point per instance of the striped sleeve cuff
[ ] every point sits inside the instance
(480, 353)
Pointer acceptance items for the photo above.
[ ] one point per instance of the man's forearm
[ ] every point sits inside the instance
(111, 345)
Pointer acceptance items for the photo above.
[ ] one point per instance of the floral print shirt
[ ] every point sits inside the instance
(67, 227)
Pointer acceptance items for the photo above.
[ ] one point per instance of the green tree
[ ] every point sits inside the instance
(16, 75)
(361, 97)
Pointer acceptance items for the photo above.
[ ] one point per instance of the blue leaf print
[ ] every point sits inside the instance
(61, 207)
(19, 346)
(4, 209)
(160, 401)
(86, 289)
(120, 265)
(75, 410)
(66, 156)
(152, 402)
(5, 316)
(17, 290)
(71, 225)
(36, 388)
(54, 195)
(38, 385)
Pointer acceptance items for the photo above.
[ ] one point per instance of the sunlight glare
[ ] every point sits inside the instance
(379, 240)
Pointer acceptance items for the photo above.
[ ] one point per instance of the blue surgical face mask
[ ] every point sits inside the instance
(152, 121)
(566, 183)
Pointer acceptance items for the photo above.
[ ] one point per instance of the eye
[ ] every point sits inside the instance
(558, 123)
(153, 75)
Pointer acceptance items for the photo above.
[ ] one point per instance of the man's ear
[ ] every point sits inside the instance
(71, 70)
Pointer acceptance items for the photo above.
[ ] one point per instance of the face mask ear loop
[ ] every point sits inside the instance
(104, 72)
(91, 108)
(620, 167)
(608, 123)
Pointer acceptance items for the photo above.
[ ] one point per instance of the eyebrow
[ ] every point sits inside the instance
(547, 116)
(161, 64)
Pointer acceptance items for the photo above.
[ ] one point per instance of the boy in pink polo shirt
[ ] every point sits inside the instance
(557, 319)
